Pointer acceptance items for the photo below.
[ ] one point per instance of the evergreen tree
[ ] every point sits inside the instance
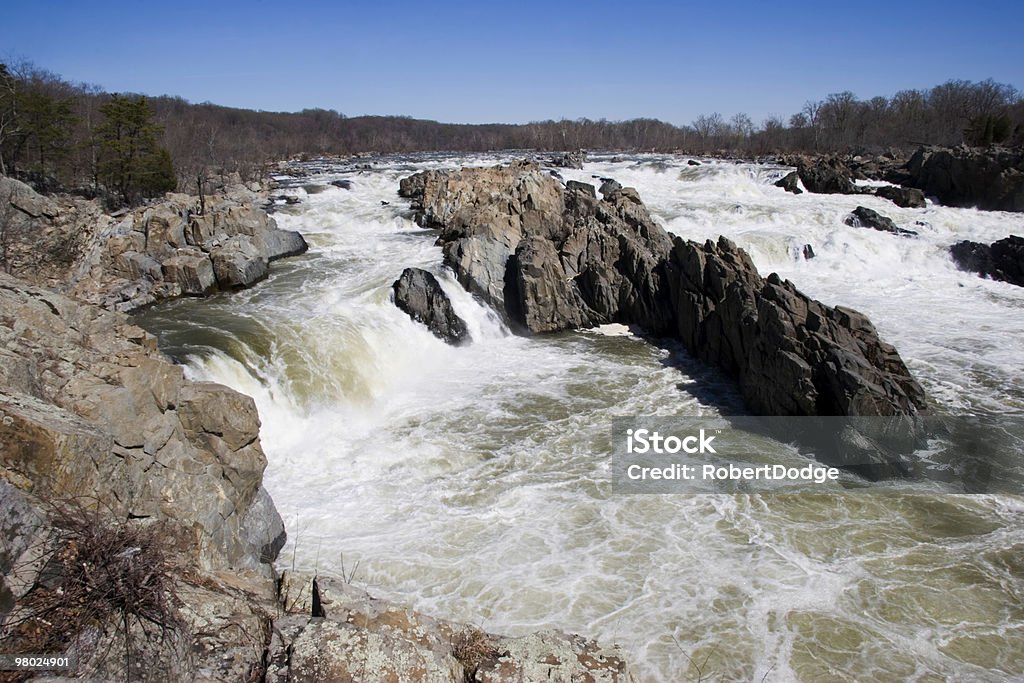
(131, 163)
(46, 126)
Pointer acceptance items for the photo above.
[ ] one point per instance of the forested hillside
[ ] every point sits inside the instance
(74, 136)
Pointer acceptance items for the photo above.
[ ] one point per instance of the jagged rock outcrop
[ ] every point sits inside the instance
(173, 247)
(547, 258)
(418, 293)
(990, 178)
(791, 355)
(569, 260)
(1002, 260)
(863, 217)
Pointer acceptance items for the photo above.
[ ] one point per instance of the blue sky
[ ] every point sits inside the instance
(517, 61)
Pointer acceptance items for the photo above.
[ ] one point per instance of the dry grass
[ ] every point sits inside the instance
(99, 578)
(471, 648)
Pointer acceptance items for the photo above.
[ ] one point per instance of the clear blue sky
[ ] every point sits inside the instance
(479, 61)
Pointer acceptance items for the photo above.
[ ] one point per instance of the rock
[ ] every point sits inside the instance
(394, 643)
(480, 265)
(109, 417)
(577, 186)
(1002, 260)
(569, 159)
(136, 266)
(990, 179)
(907, 197)
(192, 270)
(543, 301)
(863, 217)
(25, 199)
(552, 656)
(418, 293)
(608, 186)
(342, 184)
(238, 262)
(790, 183)
(791, 355)
(822, 178)
(279, 244)
(808, 252)
(692, 162)
(146, 254)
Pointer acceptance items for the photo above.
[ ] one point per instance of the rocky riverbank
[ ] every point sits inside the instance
(181, 245)
(138, 537)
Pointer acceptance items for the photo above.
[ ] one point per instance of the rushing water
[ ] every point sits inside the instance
(473, 483)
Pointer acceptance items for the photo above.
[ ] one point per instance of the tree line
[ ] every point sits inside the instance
(76, 137)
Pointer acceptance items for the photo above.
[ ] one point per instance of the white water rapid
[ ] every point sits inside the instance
(473, 483)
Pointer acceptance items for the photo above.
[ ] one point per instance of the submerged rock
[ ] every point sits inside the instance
(418, 293)
(1002, 260)
(555, 259)
(863, 217)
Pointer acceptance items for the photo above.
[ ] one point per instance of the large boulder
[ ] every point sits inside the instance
(239, 262)
(863, 217)
(191, 270)
(1002, 260)
(822, 177)
(418, 293)
(279, 244)
(907, 197)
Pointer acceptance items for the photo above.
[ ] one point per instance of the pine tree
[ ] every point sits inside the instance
(131, 163)
(46, 123)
